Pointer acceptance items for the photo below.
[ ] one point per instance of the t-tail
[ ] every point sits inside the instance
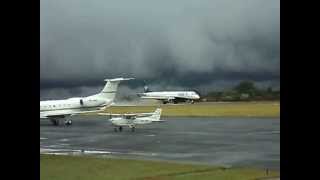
(110, 89)
(145, 87)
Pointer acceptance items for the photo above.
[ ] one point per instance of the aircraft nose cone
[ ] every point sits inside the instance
(197, 96)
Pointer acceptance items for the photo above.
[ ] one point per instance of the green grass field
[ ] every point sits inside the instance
(57, 167)
(232, 109)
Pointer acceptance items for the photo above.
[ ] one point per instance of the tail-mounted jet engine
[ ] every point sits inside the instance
(89, 102)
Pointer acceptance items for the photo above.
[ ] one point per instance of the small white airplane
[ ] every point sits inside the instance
(57, 110)
(170, 96)
(133, 120)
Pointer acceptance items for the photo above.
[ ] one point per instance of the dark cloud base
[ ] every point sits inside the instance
(170, 44)
(187, 80)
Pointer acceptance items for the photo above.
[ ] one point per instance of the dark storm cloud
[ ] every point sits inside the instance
(175, 43)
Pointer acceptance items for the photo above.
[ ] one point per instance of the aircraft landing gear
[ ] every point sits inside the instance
(116, 129)
(120, 128)
(68, 122)
(55, 122)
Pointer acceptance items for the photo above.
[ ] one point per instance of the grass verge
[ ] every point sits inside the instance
(58, 167)
(233, 109)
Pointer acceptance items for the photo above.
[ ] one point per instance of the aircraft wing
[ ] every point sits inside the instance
(159, 97)
(43, 116)
(132, 114)
(159, 121)
(181, 97)
(54, 115)
(170, 98)
(126, 115)
(174, 98)
(65, 114)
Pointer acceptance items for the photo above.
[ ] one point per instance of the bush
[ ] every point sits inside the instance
(244, 91)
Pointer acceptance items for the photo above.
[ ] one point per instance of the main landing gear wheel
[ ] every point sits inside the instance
(55, 122)
(133, 129)
(120, 128)
(68, 122)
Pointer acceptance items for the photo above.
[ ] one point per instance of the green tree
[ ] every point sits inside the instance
(247, 87)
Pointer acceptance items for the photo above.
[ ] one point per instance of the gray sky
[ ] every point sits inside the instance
(180, 44)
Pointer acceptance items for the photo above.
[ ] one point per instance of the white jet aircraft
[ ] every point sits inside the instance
(57, 110)
(133, 120)
(170, 96)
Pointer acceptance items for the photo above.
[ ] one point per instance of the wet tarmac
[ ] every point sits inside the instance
(253, 142)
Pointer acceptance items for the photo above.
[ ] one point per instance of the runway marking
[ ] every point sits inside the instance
(54, 146)
(64, 140)
(151, 135)
(63, 144)
(142, 153)
(97, 152)
(72, 151)
(264, 132)
(56, 153)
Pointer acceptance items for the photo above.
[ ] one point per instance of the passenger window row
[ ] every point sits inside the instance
(53, 106)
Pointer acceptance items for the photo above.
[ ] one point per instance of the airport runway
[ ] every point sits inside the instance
(253, 142)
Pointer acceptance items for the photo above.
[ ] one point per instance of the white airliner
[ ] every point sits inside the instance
(133, 120)
(170, 96)
(57, 110)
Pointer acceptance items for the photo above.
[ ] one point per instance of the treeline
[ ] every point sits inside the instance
(244, 91)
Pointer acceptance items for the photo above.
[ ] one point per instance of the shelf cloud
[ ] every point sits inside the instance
(175, 43)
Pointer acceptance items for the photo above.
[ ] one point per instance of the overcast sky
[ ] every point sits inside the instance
(172, 44)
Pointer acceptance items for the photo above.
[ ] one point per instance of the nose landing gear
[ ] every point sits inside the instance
(57, 122)
(120, 128)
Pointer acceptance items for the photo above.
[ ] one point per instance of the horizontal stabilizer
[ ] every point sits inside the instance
(118, 79)
(159, 121)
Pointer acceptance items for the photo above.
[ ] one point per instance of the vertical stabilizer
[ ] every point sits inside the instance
(157, 114)
(145, 87)
(110, 89)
